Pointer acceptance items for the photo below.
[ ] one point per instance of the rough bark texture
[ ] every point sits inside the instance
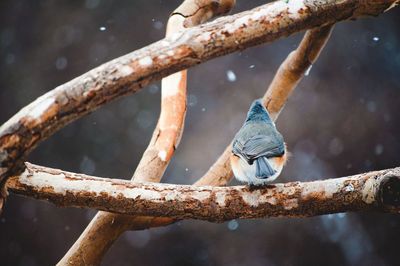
(196, 12)
(131, 72)
(376, 190)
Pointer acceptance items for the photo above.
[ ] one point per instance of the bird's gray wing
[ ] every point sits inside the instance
(237, 148)
(260, 145)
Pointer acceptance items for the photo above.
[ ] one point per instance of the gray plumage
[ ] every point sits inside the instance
(258, 139)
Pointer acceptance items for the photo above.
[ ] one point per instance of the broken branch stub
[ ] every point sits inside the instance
(389, 192)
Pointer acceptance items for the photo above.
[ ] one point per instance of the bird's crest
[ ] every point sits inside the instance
(257, 112)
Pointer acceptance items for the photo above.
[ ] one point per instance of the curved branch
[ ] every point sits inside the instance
(378, 191)
(167, 133)
(292, 70)
(169, 129)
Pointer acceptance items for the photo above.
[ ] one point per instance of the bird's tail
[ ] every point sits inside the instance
(263, 168)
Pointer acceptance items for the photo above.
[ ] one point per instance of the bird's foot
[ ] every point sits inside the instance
(253, 187)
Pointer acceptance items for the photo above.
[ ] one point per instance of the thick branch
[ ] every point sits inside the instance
(131, 72)
(169, 128)
(378, 191)
(167, 133)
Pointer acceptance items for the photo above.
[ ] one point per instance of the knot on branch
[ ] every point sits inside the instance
(198, 11)
(389, 192)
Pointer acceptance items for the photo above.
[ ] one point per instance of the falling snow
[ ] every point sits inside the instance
(230, 76)
(192, 100)
(233, 225)
(61, 63)
(308, 71)
(379, 149)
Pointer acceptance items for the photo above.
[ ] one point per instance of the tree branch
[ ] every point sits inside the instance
(292, 70)
(377, 191)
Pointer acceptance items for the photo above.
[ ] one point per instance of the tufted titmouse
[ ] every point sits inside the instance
(258, 151)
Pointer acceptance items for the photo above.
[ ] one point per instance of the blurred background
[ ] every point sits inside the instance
(342, 119)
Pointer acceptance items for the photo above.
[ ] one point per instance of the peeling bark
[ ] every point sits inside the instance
(373, 191)
(197, 12)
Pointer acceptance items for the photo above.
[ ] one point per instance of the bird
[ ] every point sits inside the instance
(258, 150)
